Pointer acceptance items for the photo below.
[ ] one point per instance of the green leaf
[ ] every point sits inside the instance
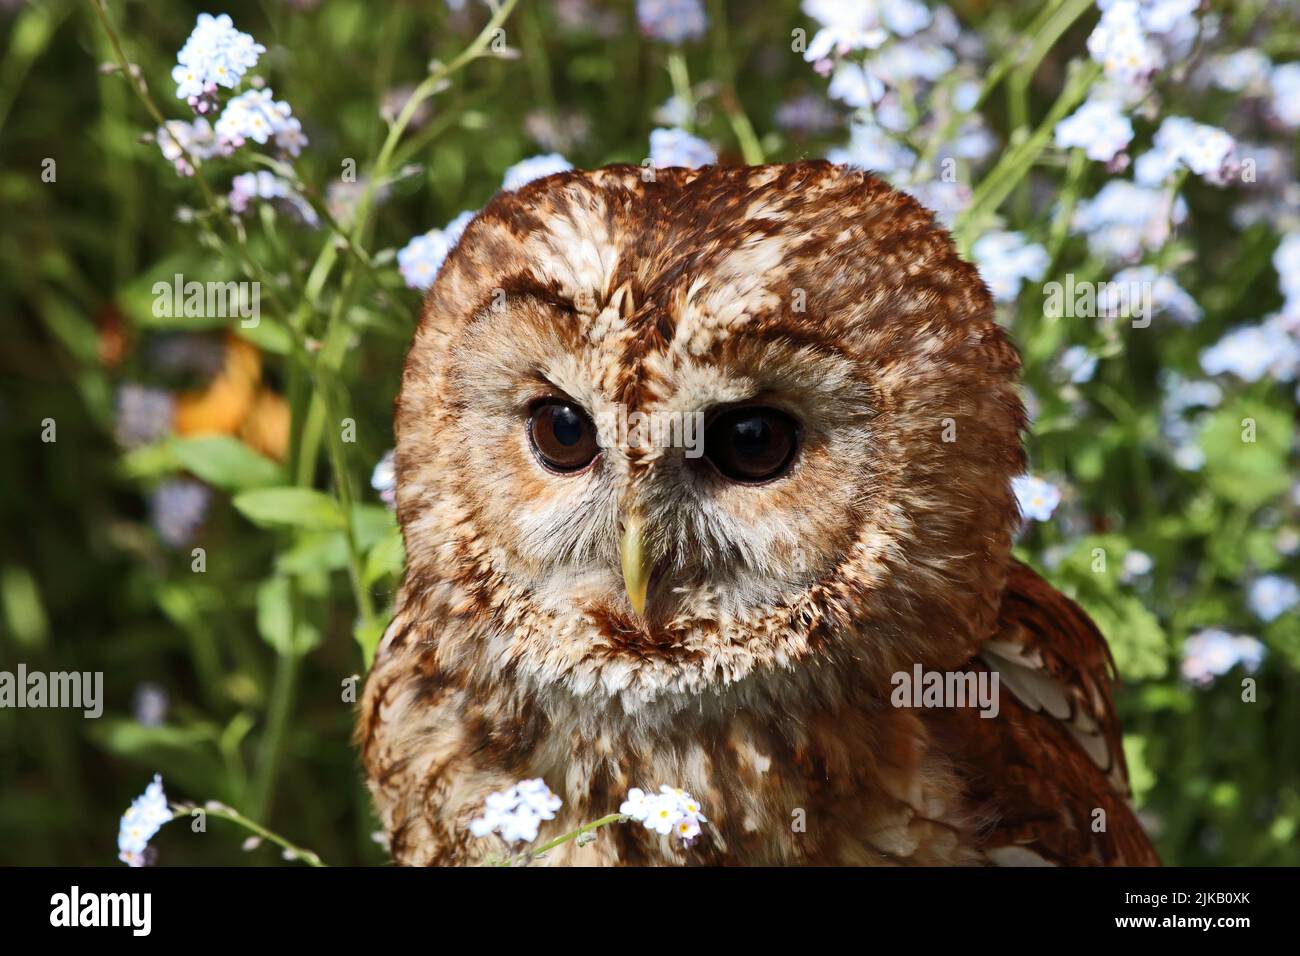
(275, 619)
(1134, 634)
(1140, 775)
(315, 552)
(371, 524)
(267, 335)
(289, 507)
(226, 462)
(24, 611)
(1246, 445)
(387, 557)
(275, 614)
(369, 638)
(149, 461)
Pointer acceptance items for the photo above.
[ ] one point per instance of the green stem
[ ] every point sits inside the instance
(343, 483)
(1069, 198)
(681, 79)
(725, 72)
(223, 812)
(574, 834)
(271, 746)
(1016, 163)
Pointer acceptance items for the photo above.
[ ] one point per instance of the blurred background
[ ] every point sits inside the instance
(197, 508)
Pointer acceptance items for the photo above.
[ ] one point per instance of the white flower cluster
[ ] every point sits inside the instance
(671, 810)
(517, 813)
(1099, 127)
(1005, 260)
(421, 258)
(1136, 38)
(1271, 596)
(1117, 299)
(384, 478)
(849, 25)
(1184, 405)
(1037, 498)
(673, 21)
(181, 141)
(1205, 150)
(872, 148)
(257, 115)
(1286, 260)
(1251, 352)
(1271, 347)
(909, 46)
(216, 54)
(146, 815)
(1286, 94)
(1125, 219)
(1213, 652)
(676, 147)
(265, 185)
(535, 167)
(910, 72)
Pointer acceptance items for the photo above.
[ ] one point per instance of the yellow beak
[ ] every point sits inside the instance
(633, 556)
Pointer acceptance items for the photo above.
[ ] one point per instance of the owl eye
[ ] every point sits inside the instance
(752, 444)
(563, 437)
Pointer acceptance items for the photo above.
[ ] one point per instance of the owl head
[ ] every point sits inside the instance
(672, 434)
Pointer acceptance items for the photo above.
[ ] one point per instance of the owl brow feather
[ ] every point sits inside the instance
(526, 285)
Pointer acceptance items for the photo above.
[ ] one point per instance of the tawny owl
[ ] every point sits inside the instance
(607, 613)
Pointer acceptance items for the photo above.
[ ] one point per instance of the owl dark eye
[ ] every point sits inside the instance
(752, 444)
(562, 435)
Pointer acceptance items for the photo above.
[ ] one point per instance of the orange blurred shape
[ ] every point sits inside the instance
(112, 338)
(267, 427)
(235, 403)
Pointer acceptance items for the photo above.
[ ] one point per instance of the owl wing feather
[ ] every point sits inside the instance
(1049, 774)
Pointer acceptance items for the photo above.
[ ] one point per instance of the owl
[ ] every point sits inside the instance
(734, 603)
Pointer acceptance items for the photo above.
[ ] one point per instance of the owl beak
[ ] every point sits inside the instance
(633, 554)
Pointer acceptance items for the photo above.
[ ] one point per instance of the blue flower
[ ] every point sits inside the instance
(516, 813)
(146, 815)
(1005, 260)
(274, 189)
(1285, 82)
(871, 148)
(384, 479)
(144, 414)
(1271, 596)
(256, 115)
(1286, 260)
(1098, 127)
(673, 21)
(1037, 498)
(1125, 219)
(1078, 364)
(421, 258)
(177, 509)
(1213, 652)
(215, 54)
(676, 147)
(1252, 352)
(535, 167)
